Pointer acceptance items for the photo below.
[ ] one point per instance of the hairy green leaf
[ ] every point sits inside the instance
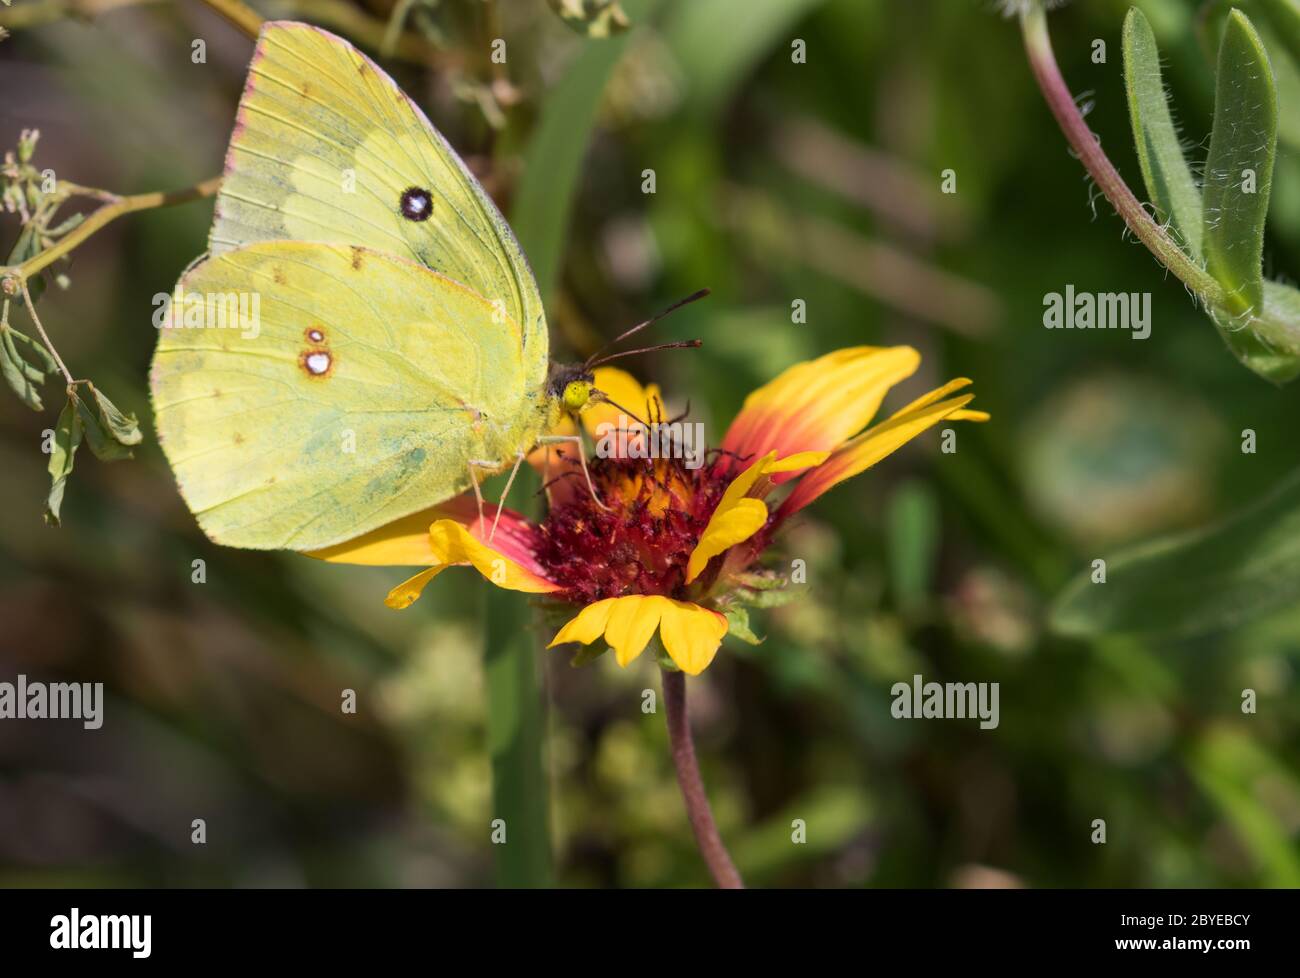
(1269, 341)
(1168, 178)
(1239, 169)
(1193, 582)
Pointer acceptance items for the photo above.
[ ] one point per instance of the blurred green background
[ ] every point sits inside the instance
(774, 181)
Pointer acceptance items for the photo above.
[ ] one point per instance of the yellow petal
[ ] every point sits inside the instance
(632, 622)
(452, 543)
(726, 528)
(621, 387)
(402, 543)
(404, 595)
(737, 518)
(587, 626)
(691, 635)
(799, 460)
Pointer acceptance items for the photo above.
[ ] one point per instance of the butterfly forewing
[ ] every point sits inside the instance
(327, 148)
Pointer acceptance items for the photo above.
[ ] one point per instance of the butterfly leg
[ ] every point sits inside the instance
(473, 481)
(519, 457)
(582, 457)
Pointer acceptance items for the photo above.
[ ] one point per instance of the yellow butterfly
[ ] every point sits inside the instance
(365, 338)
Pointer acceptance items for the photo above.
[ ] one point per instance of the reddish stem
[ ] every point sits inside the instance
(688, 778)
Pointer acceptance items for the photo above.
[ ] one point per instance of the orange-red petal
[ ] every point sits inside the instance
(818, 404)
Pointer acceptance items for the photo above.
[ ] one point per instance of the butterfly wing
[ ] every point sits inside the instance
(327, 148)
(305, 394)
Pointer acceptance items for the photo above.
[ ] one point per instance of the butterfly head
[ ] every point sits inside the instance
(574, 386)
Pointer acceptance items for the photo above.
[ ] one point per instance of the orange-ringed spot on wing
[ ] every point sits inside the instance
(416, 204)
(317, 363)
(315, 335)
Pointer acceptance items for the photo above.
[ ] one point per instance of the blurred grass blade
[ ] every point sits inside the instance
(1230, 767)
(1168, 178)
(1211, 578)
(540, 219)
(1283, 17)
(1239, 169)
(553, 160)
(913, 527)
(516, 731)
(717, 46)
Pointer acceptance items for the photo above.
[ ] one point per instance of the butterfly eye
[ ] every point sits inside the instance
(576, 394)
(416, 204)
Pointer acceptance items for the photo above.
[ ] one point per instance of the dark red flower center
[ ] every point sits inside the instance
(657, 510)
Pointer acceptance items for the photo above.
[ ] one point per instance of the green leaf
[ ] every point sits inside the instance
(48, 364)
(109, 433)
(20, 375)
(594, 18)
(738, 625)
(1182, 585)
(773, 597)
(587, 654)
(1168, 178)
(67, 437)
(1239, 169)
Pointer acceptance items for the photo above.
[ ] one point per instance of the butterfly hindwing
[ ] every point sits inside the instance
(305, 393)
(327, 148)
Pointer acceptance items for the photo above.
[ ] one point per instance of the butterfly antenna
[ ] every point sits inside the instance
(693, 297)
(680, 345)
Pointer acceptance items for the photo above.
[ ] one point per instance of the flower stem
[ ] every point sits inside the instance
(1038, 46)
(688, 778)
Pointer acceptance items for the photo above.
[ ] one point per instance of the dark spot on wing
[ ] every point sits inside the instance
(416, 204)
(277, 273)
(238, 439)
(357, 255)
